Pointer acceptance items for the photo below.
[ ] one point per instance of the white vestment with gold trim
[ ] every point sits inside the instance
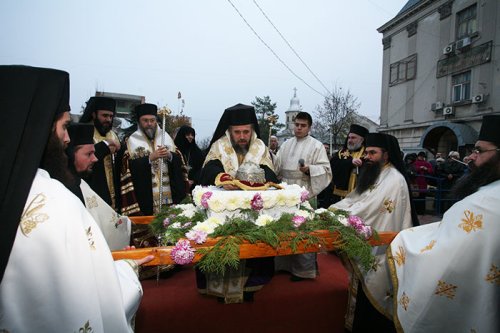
(384, 207)
(320, 174)
(114, 227)
(446, 274)
(314, 155)
(61, 276)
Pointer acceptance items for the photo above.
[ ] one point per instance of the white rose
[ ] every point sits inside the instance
(263, 220)
(304, 213)
(342, 219)
(233, 203)
(216, 205)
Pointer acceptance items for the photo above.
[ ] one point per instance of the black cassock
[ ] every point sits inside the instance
(97, 179)
(140, 170)
(261, 270)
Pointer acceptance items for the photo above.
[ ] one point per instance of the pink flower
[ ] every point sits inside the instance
(198, 236)
(366, 231)
(298, 220)
(204, 199)
(257, 203)
(166, 222)
(356, 222)
(182, 253)
(304, 196)
(359, 225)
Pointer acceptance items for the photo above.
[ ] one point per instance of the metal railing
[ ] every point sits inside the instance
(436, 191)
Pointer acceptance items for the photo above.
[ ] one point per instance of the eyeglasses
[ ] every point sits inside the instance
(479, 150)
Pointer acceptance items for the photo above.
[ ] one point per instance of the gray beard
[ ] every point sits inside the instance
(238, 149)
(241, 150)
(355, 146)
(150, 133)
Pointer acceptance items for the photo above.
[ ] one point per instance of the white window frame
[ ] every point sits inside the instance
(461, 83)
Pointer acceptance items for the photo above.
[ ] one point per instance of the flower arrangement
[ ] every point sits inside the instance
(188, 224)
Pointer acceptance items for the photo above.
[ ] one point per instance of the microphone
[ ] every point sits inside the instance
(301, 162)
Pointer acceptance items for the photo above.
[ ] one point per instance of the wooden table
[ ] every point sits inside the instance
(247, 250)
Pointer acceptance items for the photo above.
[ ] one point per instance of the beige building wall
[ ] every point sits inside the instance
(411, 109)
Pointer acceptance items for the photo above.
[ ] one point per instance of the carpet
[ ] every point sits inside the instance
(174, 305)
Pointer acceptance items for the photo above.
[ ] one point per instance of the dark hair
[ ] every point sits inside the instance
(304, 116)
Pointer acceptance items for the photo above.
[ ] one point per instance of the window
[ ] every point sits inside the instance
(461, 87)
(466, 22)
(403, 70)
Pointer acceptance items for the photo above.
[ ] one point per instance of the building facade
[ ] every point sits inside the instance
(441, 73)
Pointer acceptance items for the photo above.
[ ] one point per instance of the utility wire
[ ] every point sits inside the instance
(290, 46)
(270, 49)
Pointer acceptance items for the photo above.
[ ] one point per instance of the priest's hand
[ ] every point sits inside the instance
(141, 261)
(305, 169)
(357, 162)
(230, 187)
(113, 145)
(160, 152)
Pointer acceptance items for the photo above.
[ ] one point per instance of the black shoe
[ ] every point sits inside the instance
(248, 296)
(295, 278)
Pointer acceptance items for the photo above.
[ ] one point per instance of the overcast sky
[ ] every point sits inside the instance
(204, 49)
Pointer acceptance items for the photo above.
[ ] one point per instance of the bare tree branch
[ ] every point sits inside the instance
(335, 116)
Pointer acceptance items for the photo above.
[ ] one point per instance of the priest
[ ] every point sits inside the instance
(57, 273)
(236, 140)
(381, 198)
(146, 156)
(302, 160)
(105, 178)
(81, 155)
(346, 162)
(446, 274)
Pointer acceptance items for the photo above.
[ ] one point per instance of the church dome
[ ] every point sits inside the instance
(295, 102)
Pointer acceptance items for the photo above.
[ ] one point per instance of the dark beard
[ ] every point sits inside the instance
(478, 176)
(102, 128)
(368, 175)
(55, 161)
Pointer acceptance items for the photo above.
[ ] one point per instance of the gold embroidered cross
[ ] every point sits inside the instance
(400, 256)
(446, 289)
(404, 301)
(429, 247)
(471, 222)
(32, 215)
(494, 275)
(90, 238)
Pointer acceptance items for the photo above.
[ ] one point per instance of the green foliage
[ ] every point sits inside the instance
(172, 226)
(263, 109)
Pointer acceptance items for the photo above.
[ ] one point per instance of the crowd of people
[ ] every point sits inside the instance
(436, 175)
(67, 191)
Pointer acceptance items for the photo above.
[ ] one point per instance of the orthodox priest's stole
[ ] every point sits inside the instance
(139, 146)
(108, 163)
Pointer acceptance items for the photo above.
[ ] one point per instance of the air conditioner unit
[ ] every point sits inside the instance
(478, 98)
(449, 49)
(463, 43)
(437, 106)
(448, 111)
